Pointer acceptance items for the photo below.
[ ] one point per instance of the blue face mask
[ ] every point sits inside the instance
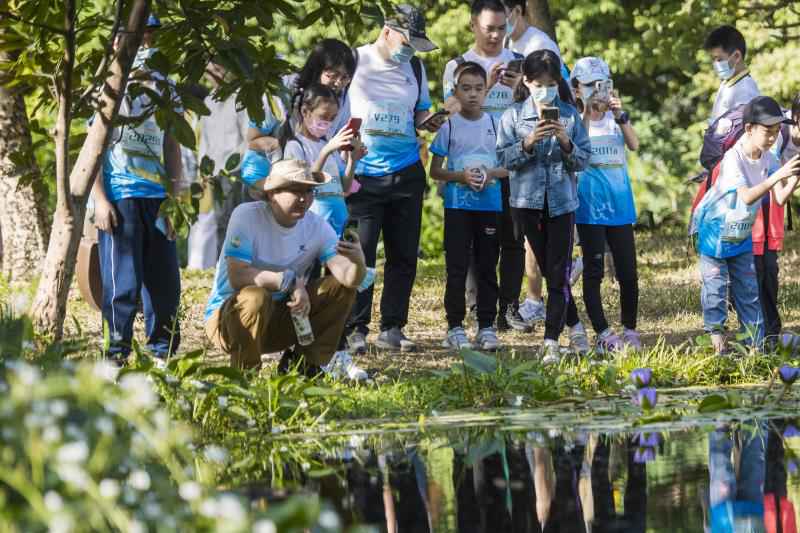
(403, 54)
(723, 69)
(544, 95)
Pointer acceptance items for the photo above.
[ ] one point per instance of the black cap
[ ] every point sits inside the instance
(410, 21)
(764, 110)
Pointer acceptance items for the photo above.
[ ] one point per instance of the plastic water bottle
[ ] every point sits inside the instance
(302, 327)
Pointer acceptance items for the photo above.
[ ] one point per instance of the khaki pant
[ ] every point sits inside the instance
(250, 323)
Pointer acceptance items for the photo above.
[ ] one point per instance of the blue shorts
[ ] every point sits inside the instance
(333, 209)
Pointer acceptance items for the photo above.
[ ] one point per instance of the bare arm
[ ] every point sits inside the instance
(241, 275)
(172, 163)
(784, 181)
(631, 139)
(261, 142)
(438, 172)
(348, 266)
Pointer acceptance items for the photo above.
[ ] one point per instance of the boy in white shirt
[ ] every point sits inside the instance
(472, 201)
(727, 48)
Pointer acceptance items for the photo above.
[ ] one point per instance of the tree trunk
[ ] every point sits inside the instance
(539, 16)
(50, 304)
(23, 207)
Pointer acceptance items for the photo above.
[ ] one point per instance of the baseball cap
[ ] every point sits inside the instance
(764, 110)
(410, 21)
(589, 69)
(293, 171)
(153, 22)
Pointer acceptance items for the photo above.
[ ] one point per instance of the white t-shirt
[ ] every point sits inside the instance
(384, 94)
(303, 148)
(730, 95)
(533, 39)
(500, 97)
(255, 237)
(223, 132)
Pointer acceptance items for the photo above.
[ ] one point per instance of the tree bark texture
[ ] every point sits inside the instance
(23, 201)
(539, 16)
(50, 303)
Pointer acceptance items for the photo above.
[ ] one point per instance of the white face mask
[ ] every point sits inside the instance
(723, 69)
(544, 95)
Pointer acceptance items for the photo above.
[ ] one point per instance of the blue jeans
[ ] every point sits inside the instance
(137, 259)
(741, 272)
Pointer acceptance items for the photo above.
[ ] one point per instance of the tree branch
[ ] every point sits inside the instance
(99, 74)
(53, 29)
(63, 197)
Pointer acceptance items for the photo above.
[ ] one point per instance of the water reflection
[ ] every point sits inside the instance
(729, 478)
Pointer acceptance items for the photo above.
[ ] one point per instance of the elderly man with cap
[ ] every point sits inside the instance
(389, 92)
(260, 282)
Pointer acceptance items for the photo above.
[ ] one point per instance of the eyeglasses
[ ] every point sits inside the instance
(335, 76)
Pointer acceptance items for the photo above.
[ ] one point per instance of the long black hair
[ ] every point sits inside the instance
(543, 62)
(308, 98)
(327, 54)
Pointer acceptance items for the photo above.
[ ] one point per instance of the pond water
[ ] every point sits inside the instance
(721, 476)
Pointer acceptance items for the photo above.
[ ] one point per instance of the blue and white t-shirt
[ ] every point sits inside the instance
(255, 237)
(722, 220)
(383, 94)
(133, 163)
(500, 97)
(469, 144)
(604, 189)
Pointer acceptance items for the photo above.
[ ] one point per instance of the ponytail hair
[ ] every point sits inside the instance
(538, 63)
(308, 98)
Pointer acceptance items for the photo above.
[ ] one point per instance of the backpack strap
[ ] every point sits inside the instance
(416, 66)
(517, 55)
(449, 135)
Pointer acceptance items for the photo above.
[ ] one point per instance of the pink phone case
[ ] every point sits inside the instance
(355, 186)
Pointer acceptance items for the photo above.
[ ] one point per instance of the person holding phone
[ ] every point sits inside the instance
(488, 23)
(472, 201)
(606, 211)
(542, 157)
(337, 156)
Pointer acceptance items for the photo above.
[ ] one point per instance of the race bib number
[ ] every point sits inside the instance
(498, 100)
(388, 120)
(145, 140)
(738, 224)
(607, 151)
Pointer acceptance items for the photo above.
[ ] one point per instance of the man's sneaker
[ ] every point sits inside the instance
(719, 344)
(357, 342)
(342, 365)
(473, 312)
(608, 342)
(551, 353)
(532, 311)
(394, 339)
(578, 340)
(631, 339)
(511, 320)
(576, 270)
(456, 339)
(486, 340)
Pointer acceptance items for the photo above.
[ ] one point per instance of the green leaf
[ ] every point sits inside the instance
(224, 371)
(713, 403)
(483, 364)
(206, 166)
(320, 391)
(233, 162)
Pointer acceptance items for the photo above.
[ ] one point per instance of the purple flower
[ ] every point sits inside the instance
(644, 455)
(789, 374)
(646, 398)
(641, 377)
(792, 467)
(648, 439)
(790, 432)
(787, 340)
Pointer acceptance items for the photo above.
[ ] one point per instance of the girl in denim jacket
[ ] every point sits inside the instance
(542, 157)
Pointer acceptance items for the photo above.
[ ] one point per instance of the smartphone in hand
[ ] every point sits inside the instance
(551, 113)
(350, 232)
(422, 125)
(355, 125)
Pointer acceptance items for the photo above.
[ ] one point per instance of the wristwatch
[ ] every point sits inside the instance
(623, 118)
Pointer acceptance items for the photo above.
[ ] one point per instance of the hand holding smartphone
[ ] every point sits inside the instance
(432, 119)
(355, 125)
(350, 232)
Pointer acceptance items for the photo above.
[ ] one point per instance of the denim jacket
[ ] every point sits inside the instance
(546, 172)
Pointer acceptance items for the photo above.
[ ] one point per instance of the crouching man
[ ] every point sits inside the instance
(260, 282)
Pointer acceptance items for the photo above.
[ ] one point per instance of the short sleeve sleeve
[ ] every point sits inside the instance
(327, 241)
(239, 239)
(731, 173)
(440, 142)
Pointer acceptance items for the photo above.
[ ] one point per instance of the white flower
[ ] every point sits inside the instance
(73, 452)
(329, 519)
(231, 509)
(58, 408)
(53, 501)
(265, 526)
(189, 490)
(306, 467)
(276, 429)
(61, 523)
(140, 392)
(136, 527)
(74, 475)
(303, 404)
(208, 508)
(139, 480)
(104, 425)
(105, 370)
(51, 434)
(27, 375)
(216, 454)
(109, 489)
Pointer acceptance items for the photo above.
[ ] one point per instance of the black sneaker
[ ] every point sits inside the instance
(290, 359)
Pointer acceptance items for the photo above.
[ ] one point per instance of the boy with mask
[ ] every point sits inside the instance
(727, 48)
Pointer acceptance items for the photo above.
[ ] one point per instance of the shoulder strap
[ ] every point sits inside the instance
(494, 128)
(786, 136)
(416, 66)
(517, 55)
(449, 135)
(460, 60)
